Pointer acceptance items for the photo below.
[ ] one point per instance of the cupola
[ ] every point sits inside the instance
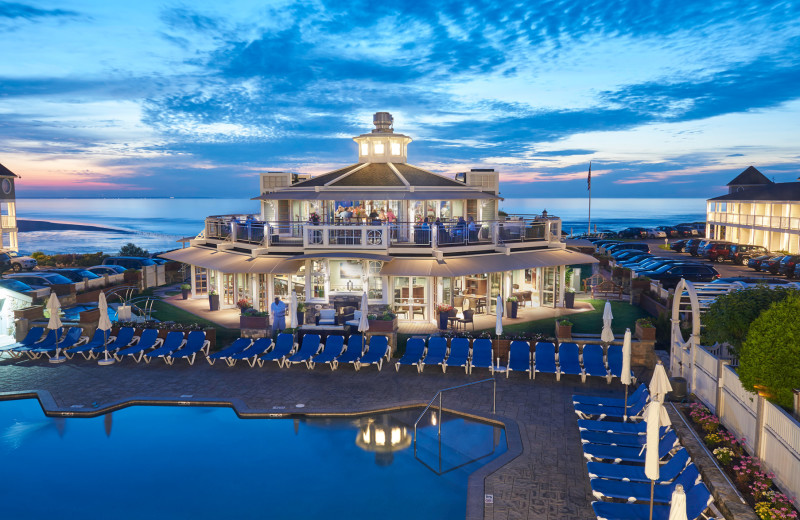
(382, 145)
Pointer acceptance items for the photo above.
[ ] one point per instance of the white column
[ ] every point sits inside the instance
(192, 280)
(562, 275)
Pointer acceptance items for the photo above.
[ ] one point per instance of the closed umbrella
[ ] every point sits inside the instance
(54, 306)
(363, 321)
(293, 311)
(607, 336)
(655, 416)
(625, 376)
(677, 506)
(105, 325)
(498, 324)
(659, 383)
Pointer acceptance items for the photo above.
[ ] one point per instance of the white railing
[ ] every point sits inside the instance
(8, 221)
(333, 236)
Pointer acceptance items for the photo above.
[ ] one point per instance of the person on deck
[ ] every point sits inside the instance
(278, 311)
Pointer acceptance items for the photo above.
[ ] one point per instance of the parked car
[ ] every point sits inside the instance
(20, 262)
(101, 270)
(15, 285)
(678, 245)
(641, 246)
(75, 274)
(159, 261)
(635, 259)
(624, 254)
(787, 265)
(633, 232)
(717, 251)
(757, 262)
(741, 253)
(656, 233)
(669, 231)
(686, 231)
(5, 262)
(656, 264)
(751, 279)
(773, 264)
(697, 249)
(670, 275)
(39, 279)
(796, 270)
(129, 262)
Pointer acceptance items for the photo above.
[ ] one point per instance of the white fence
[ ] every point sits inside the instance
(769, 432)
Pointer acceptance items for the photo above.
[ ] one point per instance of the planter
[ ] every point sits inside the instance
(131, 276)
(645, 333)
(569, 300)
(254, 322)
(185, 293)
(511, 309)
(443, 320)
(383, 325)
(213, 302)
(563, 331)
(641, 284)
(301, 318)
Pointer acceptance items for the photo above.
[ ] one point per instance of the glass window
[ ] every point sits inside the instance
(200, 281)
(378, 147)
(395, 148)
(346, 275)
(280, 286)
(375, 282)
(299, 284)
(263, 295)
(364, 148)
(318, 274)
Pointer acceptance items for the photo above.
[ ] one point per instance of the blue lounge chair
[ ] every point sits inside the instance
(172, 342)
(415, 349)
(147, 340)
(68, 340)
(617, 439)
(614, 356)
(611, 401)
(99, 339)
(125, 338)
(633, 411)
(697, 501)
(284, 347)
(437, 352)
(195, 342)
(377, 352)
(544, 358)
(631, 428)
(459, 354)
(593, 364)
(355, 349)
(519, 358)
(308, 349)
(482, 355)
(237, 346)
(626, 453)
(334, 346)
(50, 339)
(252, 354)
(633, 491)
(33, 335)
(629, 473)
(569, 361)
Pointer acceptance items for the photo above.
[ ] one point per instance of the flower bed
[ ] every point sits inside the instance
(745, 471)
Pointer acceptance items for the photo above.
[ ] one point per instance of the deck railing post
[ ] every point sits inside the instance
(440, 415)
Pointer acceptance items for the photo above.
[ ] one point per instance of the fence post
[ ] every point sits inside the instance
(719, 402)
(796, 401)
(758, 445)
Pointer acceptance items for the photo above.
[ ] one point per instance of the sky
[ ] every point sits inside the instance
(666, 98)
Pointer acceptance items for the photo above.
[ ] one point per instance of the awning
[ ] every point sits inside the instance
(497, 262)
(230, 262)
(396, 194)
(346, 254)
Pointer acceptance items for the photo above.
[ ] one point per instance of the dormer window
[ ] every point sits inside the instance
(364, 148)
(378, 147)
(395, 148)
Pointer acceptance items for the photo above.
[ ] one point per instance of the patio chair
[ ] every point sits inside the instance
(635, 473)
(334, 346)
(68, 340)
(284, 347)
(326, 317)
(124, 338)
(52, 337)
(251, 354)
(468, 315)
(355, 349)
(569, 361)
(459, 354)
(482, 355)
(147, 340)
(614, 358)
(628, 454)
(633, 411)
(172, 342)
(593, 364)
(437, 352)
(519, 358)
(308, 349)
(698, 499)
(356, 319)
(237, 346)
(99, 339)
(630, 428)
(195, 342)
(611, 401)
(33, 335)
(415, 349)
(544, 358)
(377, 352)
(633, 491)
(618, 439)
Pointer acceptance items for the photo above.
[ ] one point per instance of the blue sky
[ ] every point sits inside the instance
(666, 98)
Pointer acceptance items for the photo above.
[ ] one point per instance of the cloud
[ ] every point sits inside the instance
(15, 10)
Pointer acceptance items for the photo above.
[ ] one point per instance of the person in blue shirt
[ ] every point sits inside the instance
(278, 311)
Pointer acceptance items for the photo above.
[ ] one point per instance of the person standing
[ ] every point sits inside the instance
(278, 311)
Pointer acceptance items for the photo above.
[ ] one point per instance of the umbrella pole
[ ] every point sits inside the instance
(652, 488)
(625, 414)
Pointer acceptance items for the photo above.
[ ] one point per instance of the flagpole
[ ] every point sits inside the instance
(589, 180)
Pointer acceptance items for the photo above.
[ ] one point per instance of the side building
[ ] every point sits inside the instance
(8, 210)
(410, 238)
(757, 211)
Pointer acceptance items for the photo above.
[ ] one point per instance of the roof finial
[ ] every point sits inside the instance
(383, 123)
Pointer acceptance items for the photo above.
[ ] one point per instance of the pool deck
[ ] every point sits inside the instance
(548, 480)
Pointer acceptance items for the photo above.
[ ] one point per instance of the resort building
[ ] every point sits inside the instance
(757, 211)
(8, 210)
(410, 238)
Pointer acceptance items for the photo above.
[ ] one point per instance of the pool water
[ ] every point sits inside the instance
(160, 462)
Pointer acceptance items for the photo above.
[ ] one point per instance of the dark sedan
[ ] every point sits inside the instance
(678, 245)
(787, 265)
(773, 265)
(757, 263)
(670, 275)
(74, 274)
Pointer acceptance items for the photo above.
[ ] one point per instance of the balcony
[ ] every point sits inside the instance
(381, 236)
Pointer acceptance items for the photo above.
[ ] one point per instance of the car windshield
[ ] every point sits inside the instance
(15, 285)
(55, 278)
(663, 268)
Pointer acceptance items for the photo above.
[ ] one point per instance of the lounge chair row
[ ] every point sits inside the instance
(543, 358)
(437, 353)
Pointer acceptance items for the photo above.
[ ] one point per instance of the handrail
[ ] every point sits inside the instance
(439, 395)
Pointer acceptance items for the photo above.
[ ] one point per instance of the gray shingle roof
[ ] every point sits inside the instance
(321, 180)
(6, 172)
(749, 177)
(788, 191)
(419, 177)
(376, 175)
(373, 174)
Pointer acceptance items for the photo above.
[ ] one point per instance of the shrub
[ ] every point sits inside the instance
(131, 249)
(770, 357)
(724, 455)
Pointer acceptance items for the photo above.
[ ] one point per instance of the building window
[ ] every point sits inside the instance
(364, 148)
(346, 275)
(378, 147)
(318, 274)
(200, 281)
(395, 148)
(375, 282)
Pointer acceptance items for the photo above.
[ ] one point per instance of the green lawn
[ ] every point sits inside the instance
(163, 311)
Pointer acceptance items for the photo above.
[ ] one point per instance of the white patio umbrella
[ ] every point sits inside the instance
(659, 383)
(625, 376)
(363, 321)
(293, 311)
(105, 325)
(54, 306)
(498, 324)
(607, 336)
(677, 505)
(655, 416)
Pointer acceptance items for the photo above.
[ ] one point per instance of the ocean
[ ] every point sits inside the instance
(157, 224)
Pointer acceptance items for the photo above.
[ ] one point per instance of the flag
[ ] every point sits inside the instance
(589, 178)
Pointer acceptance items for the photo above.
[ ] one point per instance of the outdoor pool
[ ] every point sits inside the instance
(164, 462)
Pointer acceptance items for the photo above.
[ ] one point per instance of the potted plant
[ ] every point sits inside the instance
(186, 290)
(640, 282)
(563, 329)
(385, 322)
(645, 330)
(301, 313)
(569, 298)
(253, 319)
(243, 304)
(213, 300)
(512, 307)
(444, 312)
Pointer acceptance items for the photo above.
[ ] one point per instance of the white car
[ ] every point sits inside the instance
(656, 233)
(21, 263)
